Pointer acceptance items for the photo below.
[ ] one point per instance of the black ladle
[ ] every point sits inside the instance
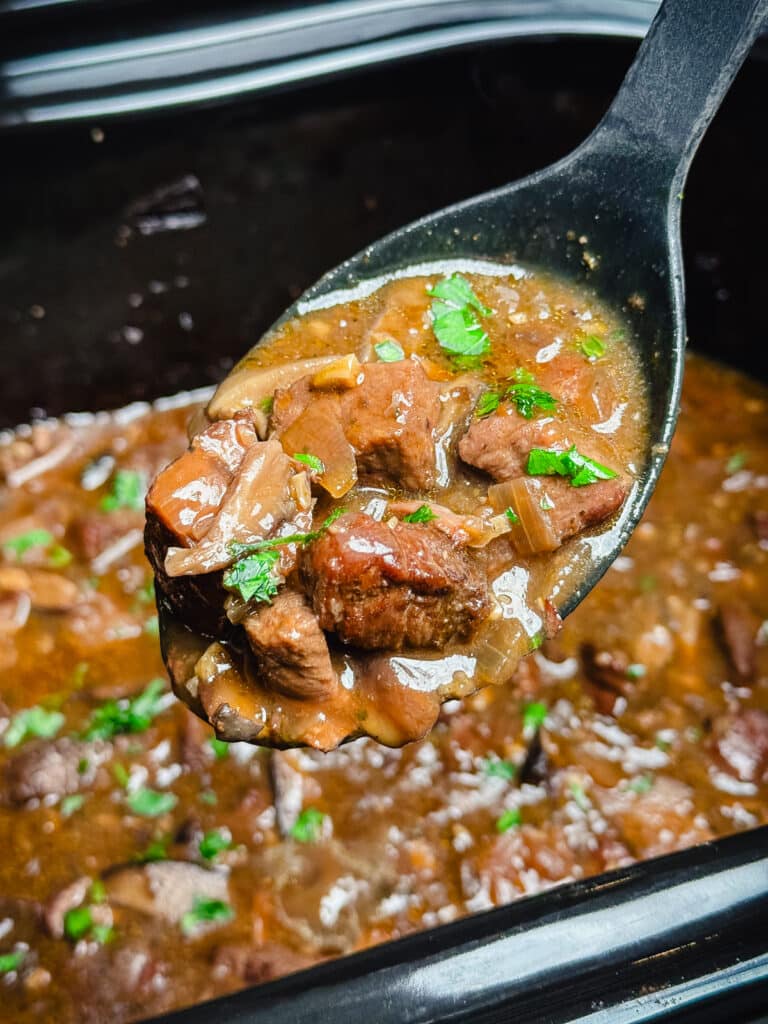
(622, 191)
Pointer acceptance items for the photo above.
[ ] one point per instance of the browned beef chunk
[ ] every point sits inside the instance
(166, 889)
(578, 508)
(739, 627)
(389, 419)
(499, 444)
(380, 587)
(54, 768)
(741, 742)
(290, 648)
(257, 964)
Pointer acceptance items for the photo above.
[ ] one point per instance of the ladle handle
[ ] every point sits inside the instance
(673, 89)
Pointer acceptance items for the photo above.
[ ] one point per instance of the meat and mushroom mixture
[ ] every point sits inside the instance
(148, 865)
(384, 502)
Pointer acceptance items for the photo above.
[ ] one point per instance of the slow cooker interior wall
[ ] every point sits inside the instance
(294, 183)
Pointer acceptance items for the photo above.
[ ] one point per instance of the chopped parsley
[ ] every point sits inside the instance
(128, 490)
(79, 924)
(511, 515)
(592, 348)
(208, 797)
(642, 784)
(11, 961)
(156, 850)
(58, 556)
(70, 804)
(219, 747)
(253, 575)
(454, 318)
(120, 773)
(495, 768)
(267, 404)
(736, 462)
(214, 842)
(545, 504)
(536, 641)
(636, 671)
(579, 468)
(423, 514)
(315, 464)
(579, 795)
(389, 351)
(149, 803)
(534, 715)
(308, 827)
(508, 820)
(32, 722)
(205, 912)
(126, 716)
(524, 393)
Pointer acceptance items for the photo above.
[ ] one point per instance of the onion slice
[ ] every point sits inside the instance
(533, 532)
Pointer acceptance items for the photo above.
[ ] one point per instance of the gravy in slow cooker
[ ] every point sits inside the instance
(148, 866)
(387, 500)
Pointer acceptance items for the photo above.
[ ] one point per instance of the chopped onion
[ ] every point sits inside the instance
(533, 532)
(318, 430)
(344, 372)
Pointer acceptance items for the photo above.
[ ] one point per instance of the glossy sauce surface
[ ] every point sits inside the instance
(642, 728)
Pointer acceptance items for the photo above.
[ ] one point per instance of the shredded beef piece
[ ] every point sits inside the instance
(291, 651)
(382, 587)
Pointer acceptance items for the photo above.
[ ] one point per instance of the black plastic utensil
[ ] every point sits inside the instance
(608, 215)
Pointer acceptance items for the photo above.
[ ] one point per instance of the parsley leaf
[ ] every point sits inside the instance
(641, 784)
(214, 842)
(592, 348)
(489, 402)
(126, 716)
(308, 827)
(315, 464)
(454, 319)
(219, 747)
(495, 768)
(78, 921)
(736, 462)
(253, 577)
(58, 556)
(423, 514)
(389, 351)
(149, 803)
(267, 404)
(11, 961)
(527, 396)
(534, 715)
(204, 912)
(580, 468)
(34, 721)
(579, 795)
(70, 804)
(508, 820)
(511, 515)
(157, 850)
(128, 490)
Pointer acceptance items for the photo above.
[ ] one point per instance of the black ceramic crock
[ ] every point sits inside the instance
(143, 255)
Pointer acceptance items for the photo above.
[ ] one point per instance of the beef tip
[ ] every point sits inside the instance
(47, 591)
(291, 651)
(390, 421)
(164, 889)
(382, 587)
(738, 629)
(741, 743)
(760, 520)
(499, 444)
(54, 768)
(257, 964)
(94, 532)
(607, 678)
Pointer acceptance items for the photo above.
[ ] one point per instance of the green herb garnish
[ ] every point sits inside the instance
(32, 722)
(70, 804)
(736, 462)
(512, 516)
(149, 803)
(635, 671)
(126, 716)
(592, 347)
(308, 827)
(389, 351)
(11, 961)
(527, 396)
(205, 911)
(58, 556)
(489, 402)
(545, 504)
(78, 922)
(534, 715)
(642, 784)
(156, 850)
(508, 820)
(495, 768)
(267, 404)
(128, 490)
(213, 843)
(219, 747)
(580, 797)
(454, 317)
(579, 468)
(315, 464)
(423, 514)
(120, 773)
(208, 797)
